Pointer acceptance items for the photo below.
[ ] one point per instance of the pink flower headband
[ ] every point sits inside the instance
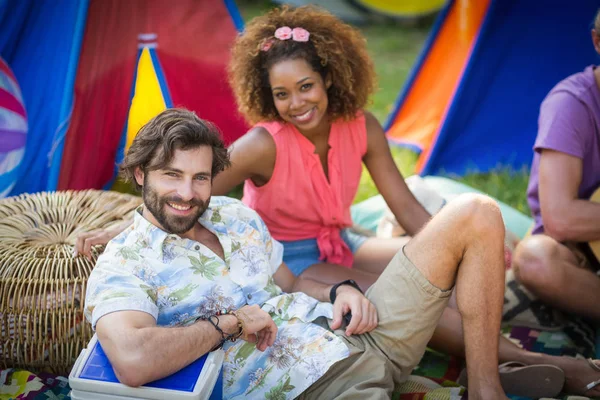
(286, 33)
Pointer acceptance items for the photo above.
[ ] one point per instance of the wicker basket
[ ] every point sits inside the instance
(42, 287)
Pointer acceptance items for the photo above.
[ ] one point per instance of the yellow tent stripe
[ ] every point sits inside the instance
(147, 100)
(404, 8)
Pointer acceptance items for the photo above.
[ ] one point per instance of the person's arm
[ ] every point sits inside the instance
(565, 216)
(348, 299)
(409, 213)
(252, 157)
(141, 352)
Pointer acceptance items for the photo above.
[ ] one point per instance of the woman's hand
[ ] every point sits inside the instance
(85, 241)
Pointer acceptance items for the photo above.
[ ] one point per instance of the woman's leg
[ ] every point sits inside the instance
(332, 274)
(375, 253)
(448, 338)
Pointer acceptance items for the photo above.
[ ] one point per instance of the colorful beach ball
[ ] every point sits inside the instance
(13, 129)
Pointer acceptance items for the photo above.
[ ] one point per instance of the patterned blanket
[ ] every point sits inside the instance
(434, 378)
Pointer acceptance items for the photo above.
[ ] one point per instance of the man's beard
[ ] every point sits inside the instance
(171, 223)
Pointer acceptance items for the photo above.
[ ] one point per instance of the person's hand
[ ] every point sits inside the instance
(86, 240)
(364, 313)
(259, 327)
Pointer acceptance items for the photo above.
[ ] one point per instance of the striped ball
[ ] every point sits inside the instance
(13, 129)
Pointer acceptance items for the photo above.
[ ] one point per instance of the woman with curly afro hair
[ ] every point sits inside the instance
(303, 78)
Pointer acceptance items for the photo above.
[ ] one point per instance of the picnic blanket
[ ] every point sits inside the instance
(434, 378)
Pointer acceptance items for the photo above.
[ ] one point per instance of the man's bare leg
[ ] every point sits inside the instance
(448, 336)
(549, 270)
(463, 247)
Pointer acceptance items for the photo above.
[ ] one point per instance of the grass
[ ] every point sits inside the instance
(394, 48)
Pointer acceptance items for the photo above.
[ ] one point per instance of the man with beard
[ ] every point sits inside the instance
(193, 274)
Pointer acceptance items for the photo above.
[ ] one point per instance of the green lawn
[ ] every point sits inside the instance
(395, 47)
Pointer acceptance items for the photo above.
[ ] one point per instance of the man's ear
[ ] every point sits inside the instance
(139, 176)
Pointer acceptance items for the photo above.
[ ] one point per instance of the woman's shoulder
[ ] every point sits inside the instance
(270, 127)
(257, 144)
(359, 120)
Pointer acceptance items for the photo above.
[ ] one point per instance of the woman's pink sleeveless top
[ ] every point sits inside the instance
(299, 202)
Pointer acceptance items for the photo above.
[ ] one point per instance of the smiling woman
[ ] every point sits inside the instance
(330, 47)
(304, 77)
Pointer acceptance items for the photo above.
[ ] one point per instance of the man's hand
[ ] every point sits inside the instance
(258, 326)
(364, 313)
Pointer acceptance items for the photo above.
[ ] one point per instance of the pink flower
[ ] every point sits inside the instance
(267, 45)
(283, 33)
(300, 35)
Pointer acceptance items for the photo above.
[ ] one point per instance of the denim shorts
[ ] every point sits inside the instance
(301, 254)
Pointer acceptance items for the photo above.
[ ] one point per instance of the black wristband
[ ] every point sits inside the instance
(224, 336)
(349, 282)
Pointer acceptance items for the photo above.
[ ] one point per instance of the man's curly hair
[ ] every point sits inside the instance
(333, 48)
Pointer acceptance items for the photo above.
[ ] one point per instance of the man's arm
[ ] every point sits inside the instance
(565, 216)
(409, 213)
(141, 352)
(348, 299)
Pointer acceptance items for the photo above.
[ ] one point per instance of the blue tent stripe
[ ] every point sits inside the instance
(66, 106)
(162, 81)
(418, 64)
(235, 14)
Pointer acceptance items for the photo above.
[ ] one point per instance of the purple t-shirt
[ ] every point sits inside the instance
(569, 122)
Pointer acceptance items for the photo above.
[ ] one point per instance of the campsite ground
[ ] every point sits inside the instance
(395, 47)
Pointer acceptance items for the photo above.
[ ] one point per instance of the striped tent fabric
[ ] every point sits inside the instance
(13, 129)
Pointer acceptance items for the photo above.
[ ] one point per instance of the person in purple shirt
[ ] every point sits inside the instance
(555, 263)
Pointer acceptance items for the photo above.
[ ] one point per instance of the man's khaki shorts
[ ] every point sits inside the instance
(408, 307)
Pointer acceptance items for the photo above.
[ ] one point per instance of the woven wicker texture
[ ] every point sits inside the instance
(42, 287)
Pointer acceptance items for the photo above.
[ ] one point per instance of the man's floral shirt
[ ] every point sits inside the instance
(177, 280)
